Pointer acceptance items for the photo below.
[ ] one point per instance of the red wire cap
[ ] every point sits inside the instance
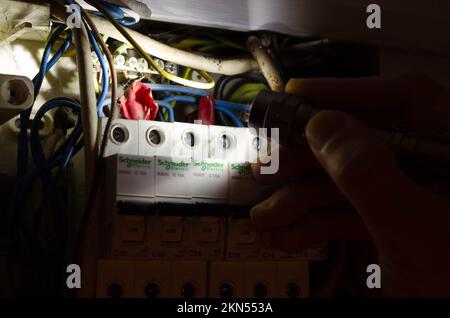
(138, 103)
(206, 110)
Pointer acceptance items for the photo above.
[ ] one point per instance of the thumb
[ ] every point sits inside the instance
(365, 171)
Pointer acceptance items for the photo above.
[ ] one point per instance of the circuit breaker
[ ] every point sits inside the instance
(182, 192)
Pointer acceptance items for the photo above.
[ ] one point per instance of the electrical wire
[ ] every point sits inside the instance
(86, 253)
(116, 11)
(233, 106)
(176, 89)
(23, 181)
(224, 81)
(236, 121)
(160, 115)
(43, 166)
(88, 101)
(119, 14)
(46, 65)
(132, 19)
(24, 117)
(105, 79)
(114, 113)
(247, 92)
(196, 92)
(168, 108)
(223, 107)
(231, 66)
(59, 159)
(265, 63)
(182, 99)
(210, 81)
(219, 103)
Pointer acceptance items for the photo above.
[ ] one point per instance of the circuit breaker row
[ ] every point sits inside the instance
(139, 181)
(191, 279)
(176, 217)
(184, 140)
(195, 238)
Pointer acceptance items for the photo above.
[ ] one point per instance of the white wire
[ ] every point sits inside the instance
(177, 56)
(131, 14)
(128, 12)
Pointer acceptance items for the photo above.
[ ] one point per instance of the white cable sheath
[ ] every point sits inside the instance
(177, 56)
(131, 14)
(267, 65)
(128, 13)
(88, 101)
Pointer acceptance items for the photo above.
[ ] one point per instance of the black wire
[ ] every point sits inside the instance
(224, 81)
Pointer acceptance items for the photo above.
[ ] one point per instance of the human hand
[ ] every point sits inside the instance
(348, 183)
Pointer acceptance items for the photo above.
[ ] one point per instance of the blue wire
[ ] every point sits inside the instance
(102, 61)
(39, 78)
(64, 47)
(106, 102)
(177, 89)
(233, 106)
(117, 13)
(24, 181)
(221, 106)
(43, 166)
(169, 109)
(225, 110)
(182, 99)
(196, 92)
(22, 147)
(35, 144)
(128, 21)
(231, 115)
(105, 80)
(219, 103)
(40, 161)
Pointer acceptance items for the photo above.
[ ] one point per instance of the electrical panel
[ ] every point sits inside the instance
(180, 193)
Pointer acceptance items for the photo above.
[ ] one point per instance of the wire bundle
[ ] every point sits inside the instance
(221, 106)
(32, 224)
(180, 80)
(50, 169)
(70, 146)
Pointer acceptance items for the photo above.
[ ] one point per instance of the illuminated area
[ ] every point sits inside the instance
(237, 150)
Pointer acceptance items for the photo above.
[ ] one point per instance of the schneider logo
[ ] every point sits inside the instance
(209, 165)
(135, 163)
(243, 169)
(170, 165)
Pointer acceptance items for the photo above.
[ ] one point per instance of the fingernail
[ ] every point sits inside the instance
(324, 126)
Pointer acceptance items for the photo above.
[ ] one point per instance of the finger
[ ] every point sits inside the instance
(367, 97)
(293, 201)
(317, 228)
(294, 162)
